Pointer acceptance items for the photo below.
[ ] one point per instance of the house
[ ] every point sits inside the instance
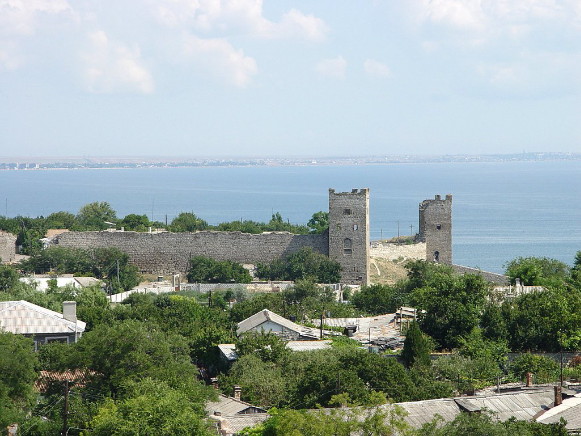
(233, 415)
(40, 324)
(228, 351)
(267, 321)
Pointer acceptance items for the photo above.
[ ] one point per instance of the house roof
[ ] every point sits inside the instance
(569, 409)
(229, 406)
(229, 350)
(22, 317)
(523, 405)
(263, 316)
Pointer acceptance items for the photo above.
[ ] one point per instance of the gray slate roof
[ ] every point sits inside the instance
(24, 318)
(266, 315)
(569, 409)
(422, 412)
(229, 406)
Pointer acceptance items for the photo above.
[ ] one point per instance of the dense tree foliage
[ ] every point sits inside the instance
(106, 263)
(302, 264)
(538, 271)
(319, 222)
(416, 347)
(97, 215)
(18, 364)
(207, 270)
(378, 299)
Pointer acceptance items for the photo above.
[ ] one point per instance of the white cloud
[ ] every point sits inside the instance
(334, 67)
(111, 66)
(220, 58)
(245, 16)
(22, 17)
(376, 68)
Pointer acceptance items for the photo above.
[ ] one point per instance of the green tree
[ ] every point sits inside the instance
(379, 299)
(544, 368)
(538, 271)
(187, 222)
(452, 305)
(267, 346)
(61, 220)
(207, 270)
(8, 278)
(134, 222)
(416, 347)
(96, 215)
(150, 407)
(319, 223)
(302, 264)
(18, 372)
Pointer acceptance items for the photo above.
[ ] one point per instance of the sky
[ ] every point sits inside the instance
(237, 78)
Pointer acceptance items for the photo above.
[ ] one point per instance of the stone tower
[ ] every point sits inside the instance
(436, 229)
(349, 234)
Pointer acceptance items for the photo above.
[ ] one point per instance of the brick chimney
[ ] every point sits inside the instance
(70, 310)
(529, 378)
(558, 395)
(237, 392)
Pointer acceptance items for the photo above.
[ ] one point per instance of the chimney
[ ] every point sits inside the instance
(558, 395)
(237, 392)
(70, 310)
(529, 378)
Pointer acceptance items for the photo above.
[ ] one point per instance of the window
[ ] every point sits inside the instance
(338, 227)
(436, 256)
(355, 227)
(346, 211)
(439, 226)
(347, 247)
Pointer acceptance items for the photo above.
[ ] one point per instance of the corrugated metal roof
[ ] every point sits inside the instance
(229, 350)
(522, 405)
(264, 316)
(238, 423)
(569, 409)
(422, 412)
(228, 406)
(24, 318)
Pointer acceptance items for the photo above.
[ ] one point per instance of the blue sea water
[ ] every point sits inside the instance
(501, 210)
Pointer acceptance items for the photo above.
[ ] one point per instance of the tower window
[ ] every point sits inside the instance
(347, 246)
(346, 211)
(355, 227)
(439, 226)
(436, 256)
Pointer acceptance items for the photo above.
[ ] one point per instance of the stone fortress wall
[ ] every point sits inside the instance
(7, 247)
(168, 253)
(347, 240)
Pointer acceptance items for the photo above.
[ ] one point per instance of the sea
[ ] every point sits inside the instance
(501, 210)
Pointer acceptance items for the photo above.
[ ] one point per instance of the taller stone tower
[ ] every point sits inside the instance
(349, 234)
(436, 229)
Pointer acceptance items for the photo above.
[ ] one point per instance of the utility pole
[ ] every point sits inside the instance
(65, 429)
(411, 229)
(398, 231)
(118, 281)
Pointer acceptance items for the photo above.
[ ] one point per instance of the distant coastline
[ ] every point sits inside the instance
(111, 162)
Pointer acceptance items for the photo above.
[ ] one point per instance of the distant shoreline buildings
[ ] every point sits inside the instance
(53, 163)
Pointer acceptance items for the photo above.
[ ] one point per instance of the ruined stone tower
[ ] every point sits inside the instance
(349, 234)
(436, 229)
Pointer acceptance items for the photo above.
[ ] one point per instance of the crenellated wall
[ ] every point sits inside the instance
(166, 253)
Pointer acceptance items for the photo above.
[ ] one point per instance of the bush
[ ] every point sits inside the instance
(206, 270)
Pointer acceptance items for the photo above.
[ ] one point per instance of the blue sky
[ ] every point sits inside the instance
(279, 78)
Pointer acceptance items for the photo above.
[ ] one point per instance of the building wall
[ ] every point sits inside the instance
(168, 253)
(436, 228)
(7, 247)
(349, 234)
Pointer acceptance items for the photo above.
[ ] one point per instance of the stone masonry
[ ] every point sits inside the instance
(436, 229)
(347, 240)
(168, 253)
(349, 233)
(7, 247)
